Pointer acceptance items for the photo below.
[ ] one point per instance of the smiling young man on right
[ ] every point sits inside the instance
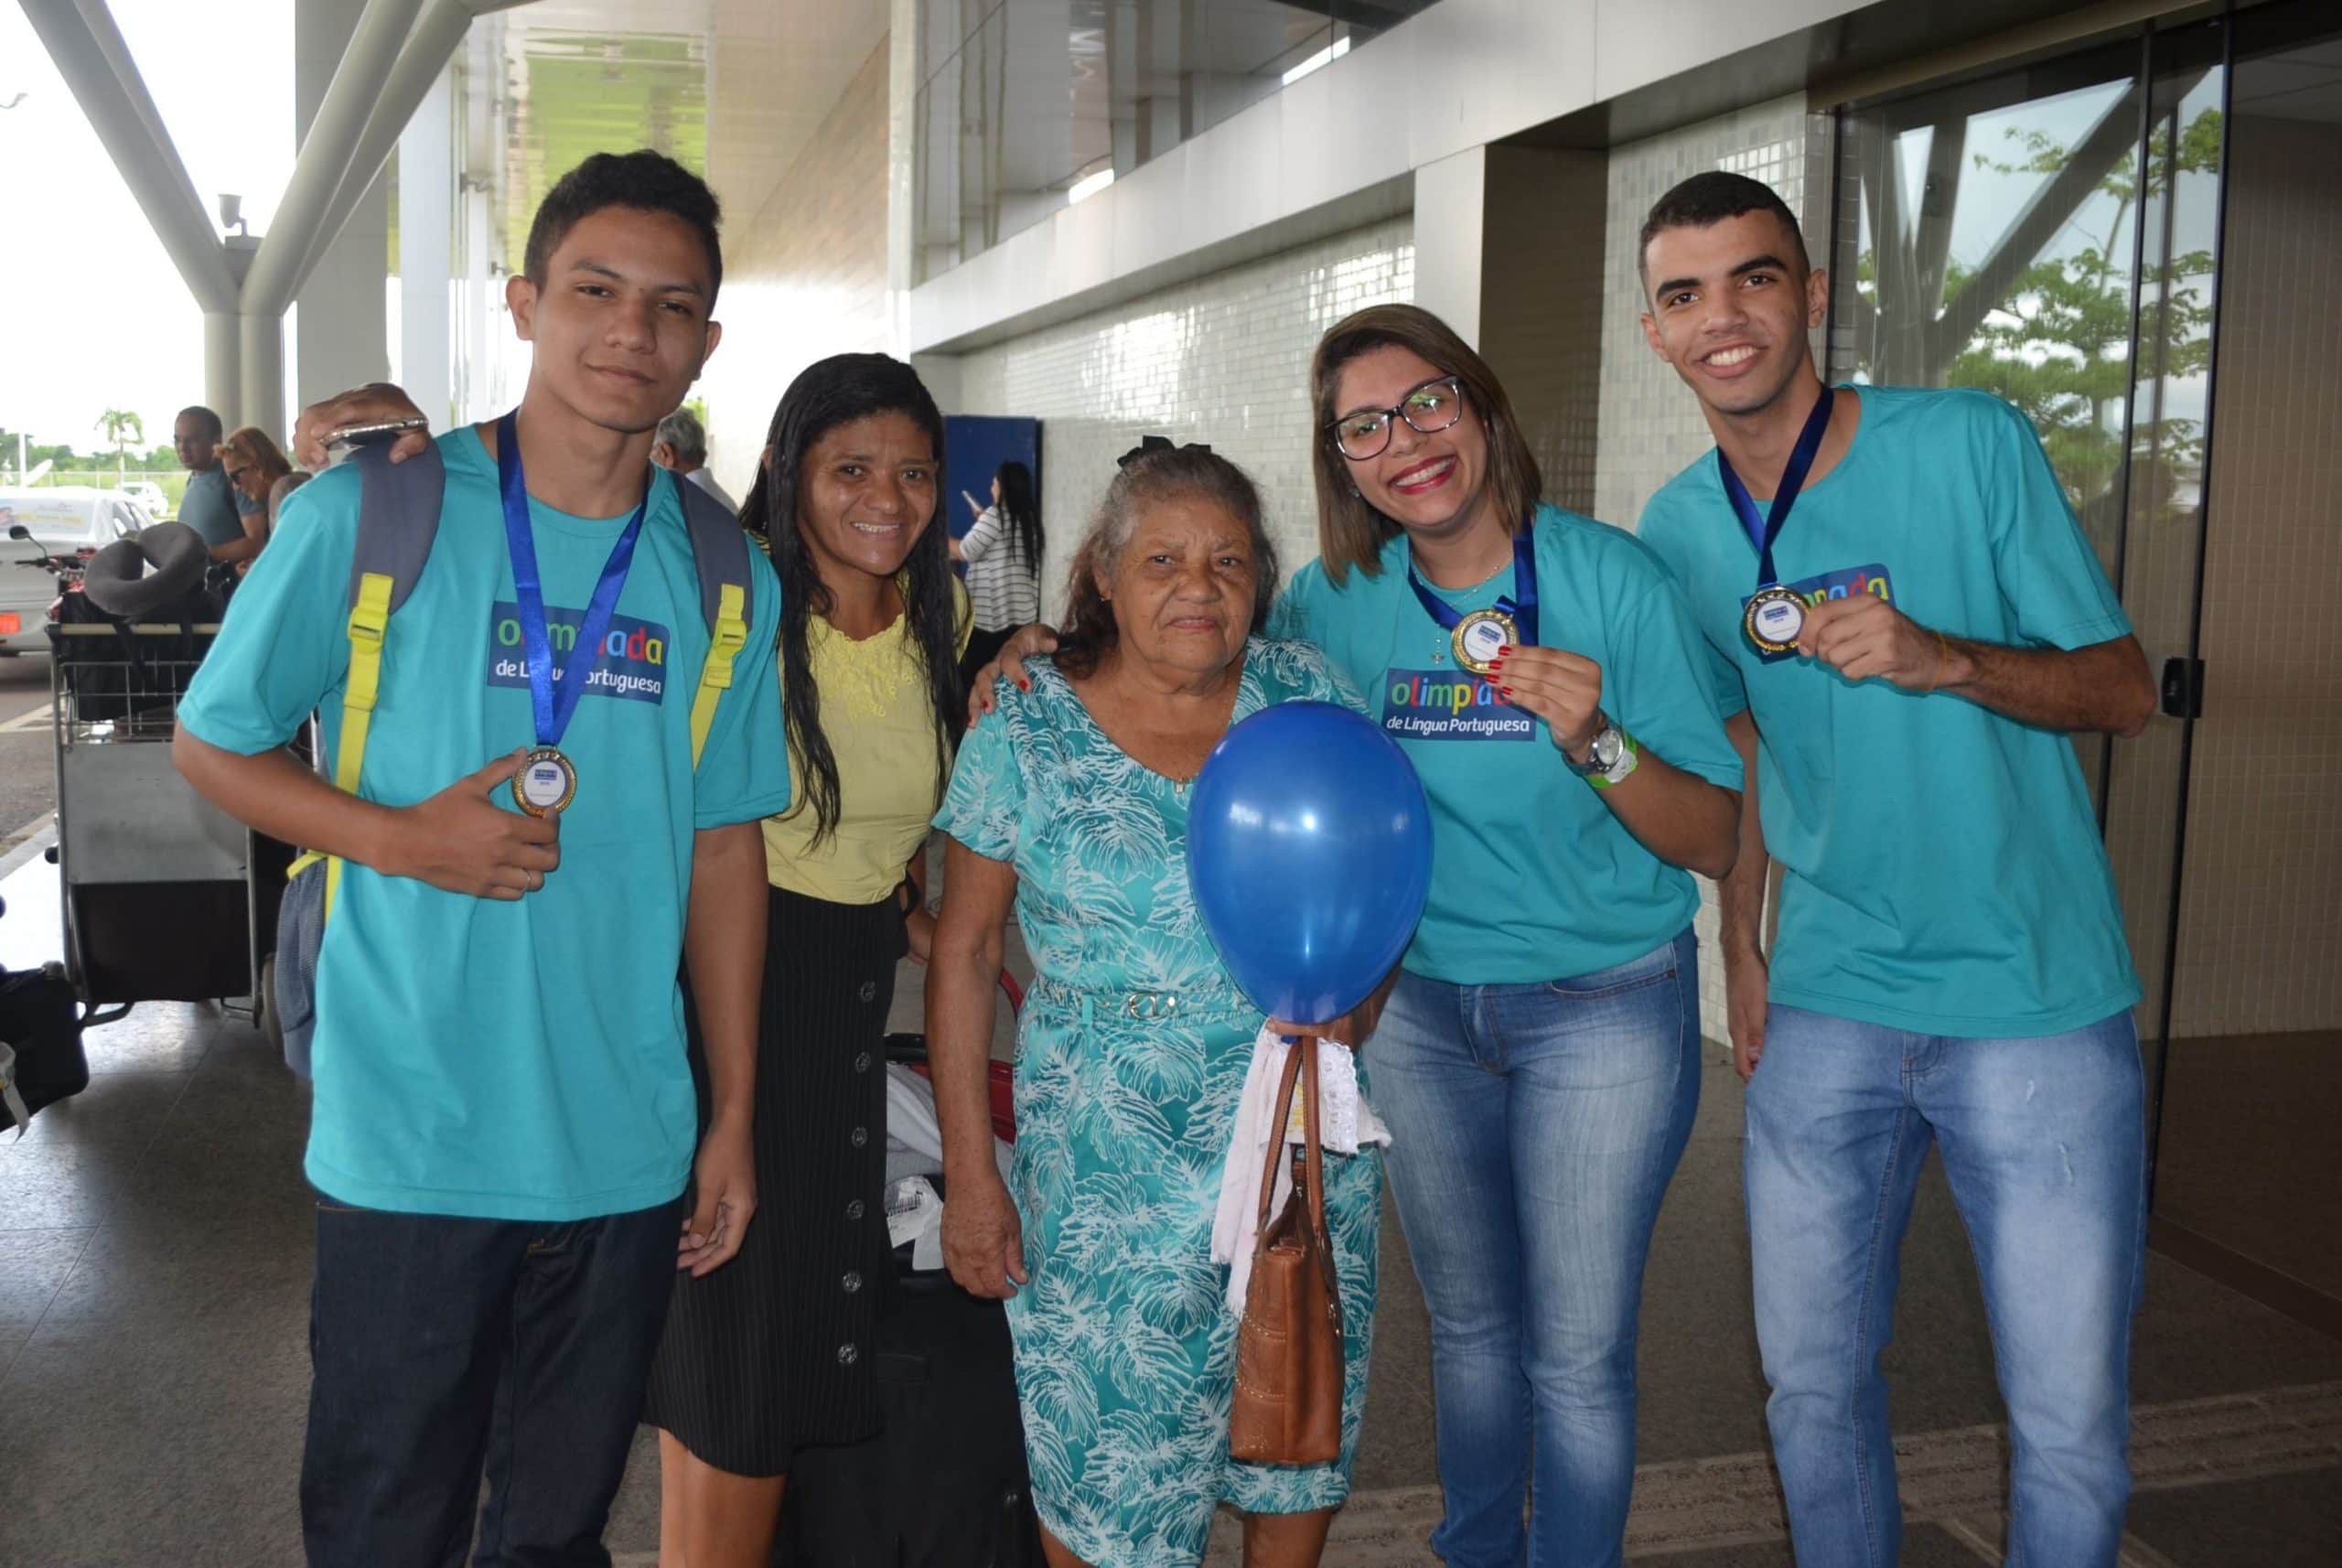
(1906, 623)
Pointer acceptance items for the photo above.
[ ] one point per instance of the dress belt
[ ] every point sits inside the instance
(1143, 1007)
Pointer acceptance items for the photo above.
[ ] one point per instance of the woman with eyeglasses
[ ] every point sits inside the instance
(1538, 1059)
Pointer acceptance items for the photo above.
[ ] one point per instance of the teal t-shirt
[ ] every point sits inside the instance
(1533, 878)
(1942, 869)
(210, 507)
(516, 1060)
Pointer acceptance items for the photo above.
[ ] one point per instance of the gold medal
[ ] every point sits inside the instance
(1479, 636)
(1773, 618)
(546, 783)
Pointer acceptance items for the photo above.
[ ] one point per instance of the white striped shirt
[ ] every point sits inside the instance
(1004, 587)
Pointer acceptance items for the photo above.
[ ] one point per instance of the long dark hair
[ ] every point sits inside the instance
(833, 391)
(1020, 512)
(1150, 476)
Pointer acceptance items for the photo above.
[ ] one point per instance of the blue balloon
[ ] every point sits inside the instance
(1309, 852)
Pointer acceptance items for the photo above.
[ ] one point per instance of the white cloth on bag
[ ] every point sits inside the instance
(1345, 1123)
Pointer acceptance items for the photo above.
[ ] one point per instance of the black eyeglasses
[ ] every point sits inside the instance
(1429, 409)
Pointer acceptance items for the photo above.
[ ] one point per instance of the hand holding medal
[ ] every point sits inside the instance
(1564, 689)
(1862, 636)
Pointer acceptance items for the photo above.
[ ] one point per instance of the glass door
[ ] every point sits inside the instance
(2048, 234)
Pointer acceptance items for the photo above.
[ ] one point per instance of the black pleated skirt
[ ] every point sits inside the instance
(774, 1351)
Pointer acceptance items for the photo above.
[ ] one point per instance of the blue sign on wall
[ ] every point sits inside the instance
(974, 446)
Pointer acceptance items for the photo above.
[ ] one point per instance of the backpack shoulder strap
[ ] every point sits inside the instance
(720, 550)
(398, 520)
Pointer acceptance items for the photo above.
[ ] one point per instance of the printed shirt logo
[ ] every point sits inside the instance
(1449, 705)
(1838, 584)
(632, 662)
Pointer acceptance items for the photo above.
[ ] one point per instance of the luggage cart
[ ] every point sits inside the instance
(164, 897)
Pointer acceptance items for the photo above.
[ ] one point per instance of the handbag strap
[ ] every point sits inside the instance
(1300, 1071)
(1311, 1143)
(1292, 1075)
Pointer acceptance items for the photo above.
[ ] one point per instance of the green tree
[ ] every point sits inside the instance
(2057, 344)
(122, 430)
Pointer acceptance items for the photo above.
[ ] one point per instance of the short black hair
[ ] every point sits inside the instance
(648, 181)
(1709, 198)
(208, 425)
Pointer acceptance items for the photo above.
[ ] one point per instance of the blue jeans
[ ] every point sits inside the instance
(1533, 1131)
(440, 1345)
(2044, 1142)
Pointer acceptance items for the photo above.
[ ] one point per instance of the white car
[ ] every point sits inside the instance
(67, 519)
(148, 494)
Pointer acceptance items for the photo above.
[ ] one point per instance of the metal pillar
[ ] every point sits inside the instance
(260, 372)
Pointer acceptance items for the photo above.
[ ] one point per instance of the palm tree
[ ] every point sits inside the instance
(122, 430)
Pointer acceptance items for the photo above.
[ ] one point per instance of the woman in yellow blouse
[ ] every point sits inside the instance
(773, 1353)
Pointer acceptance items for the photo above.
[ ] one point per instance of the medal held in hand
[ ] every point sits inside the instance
(547, 783)
(1477, 638)
(1773, 620)
(1773, 616)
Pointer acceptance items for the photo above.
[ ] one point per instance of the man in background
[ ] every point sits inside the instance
(682, 447)
(210, 505)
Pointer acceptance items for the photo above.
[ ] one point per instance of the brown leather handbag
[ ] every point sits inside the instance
(1288, 1406)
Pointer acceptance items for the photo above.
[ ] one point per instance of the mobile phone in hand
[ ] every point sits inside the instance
(341, 443)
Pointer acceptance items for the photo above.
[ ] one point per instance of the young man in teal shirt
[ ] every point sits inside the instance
(504, 1121)
(1906, 622)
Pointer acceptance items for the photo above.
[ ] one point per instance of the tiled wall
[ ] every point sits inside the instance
(1650, 426)
(804, 275)
(2260, 904)
(1224, 360)
(1541, 319)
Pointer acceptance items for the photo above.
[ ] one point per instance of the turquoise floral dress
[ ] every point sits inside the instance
(1130, 1058)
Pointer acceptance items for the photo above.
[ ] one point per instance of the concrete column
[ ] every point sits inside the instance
(345, 330)
(223, 390)
(1451, 216)
(261, 382)
(427, 166)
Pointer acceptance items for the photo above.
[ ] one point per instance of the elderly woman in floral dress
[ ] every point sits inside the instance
(1070, 801)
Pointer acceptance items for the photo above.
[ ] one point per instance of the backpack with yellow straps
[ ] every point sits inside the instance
(398, 519)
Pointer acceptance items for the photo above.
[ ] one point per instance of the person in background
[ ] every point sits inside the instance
(1003, 554)
(776, 1353)
(210, 505)
(253, 464)
(285, 486)
(1951, 966)
(1070, 804)
(682, 447)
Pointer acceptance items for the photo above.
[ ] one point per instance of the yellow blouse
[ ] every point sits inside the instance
(880, 722)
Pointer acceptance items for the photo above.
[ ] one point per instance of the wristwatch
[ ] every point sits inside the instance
(1609, 756)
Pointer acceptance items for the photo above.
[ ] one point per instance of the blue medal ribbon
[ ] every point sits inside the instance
(1520, 603)
(1762, 531)
(552, 706)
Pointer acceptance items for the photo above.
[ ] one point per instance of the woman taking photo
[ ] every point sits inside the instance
(1070, 804)
(1002, 550)
(773, 1353)
(1538, 1060)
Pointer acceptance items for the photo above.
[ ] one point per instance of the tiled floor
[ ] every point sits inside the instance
(154, 1249)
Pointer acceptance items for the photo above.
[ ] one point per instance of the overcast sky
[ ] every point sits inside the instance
(96, 316)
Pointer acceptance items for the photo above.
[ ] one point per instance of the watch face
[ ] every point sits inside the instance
(1604, 753)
